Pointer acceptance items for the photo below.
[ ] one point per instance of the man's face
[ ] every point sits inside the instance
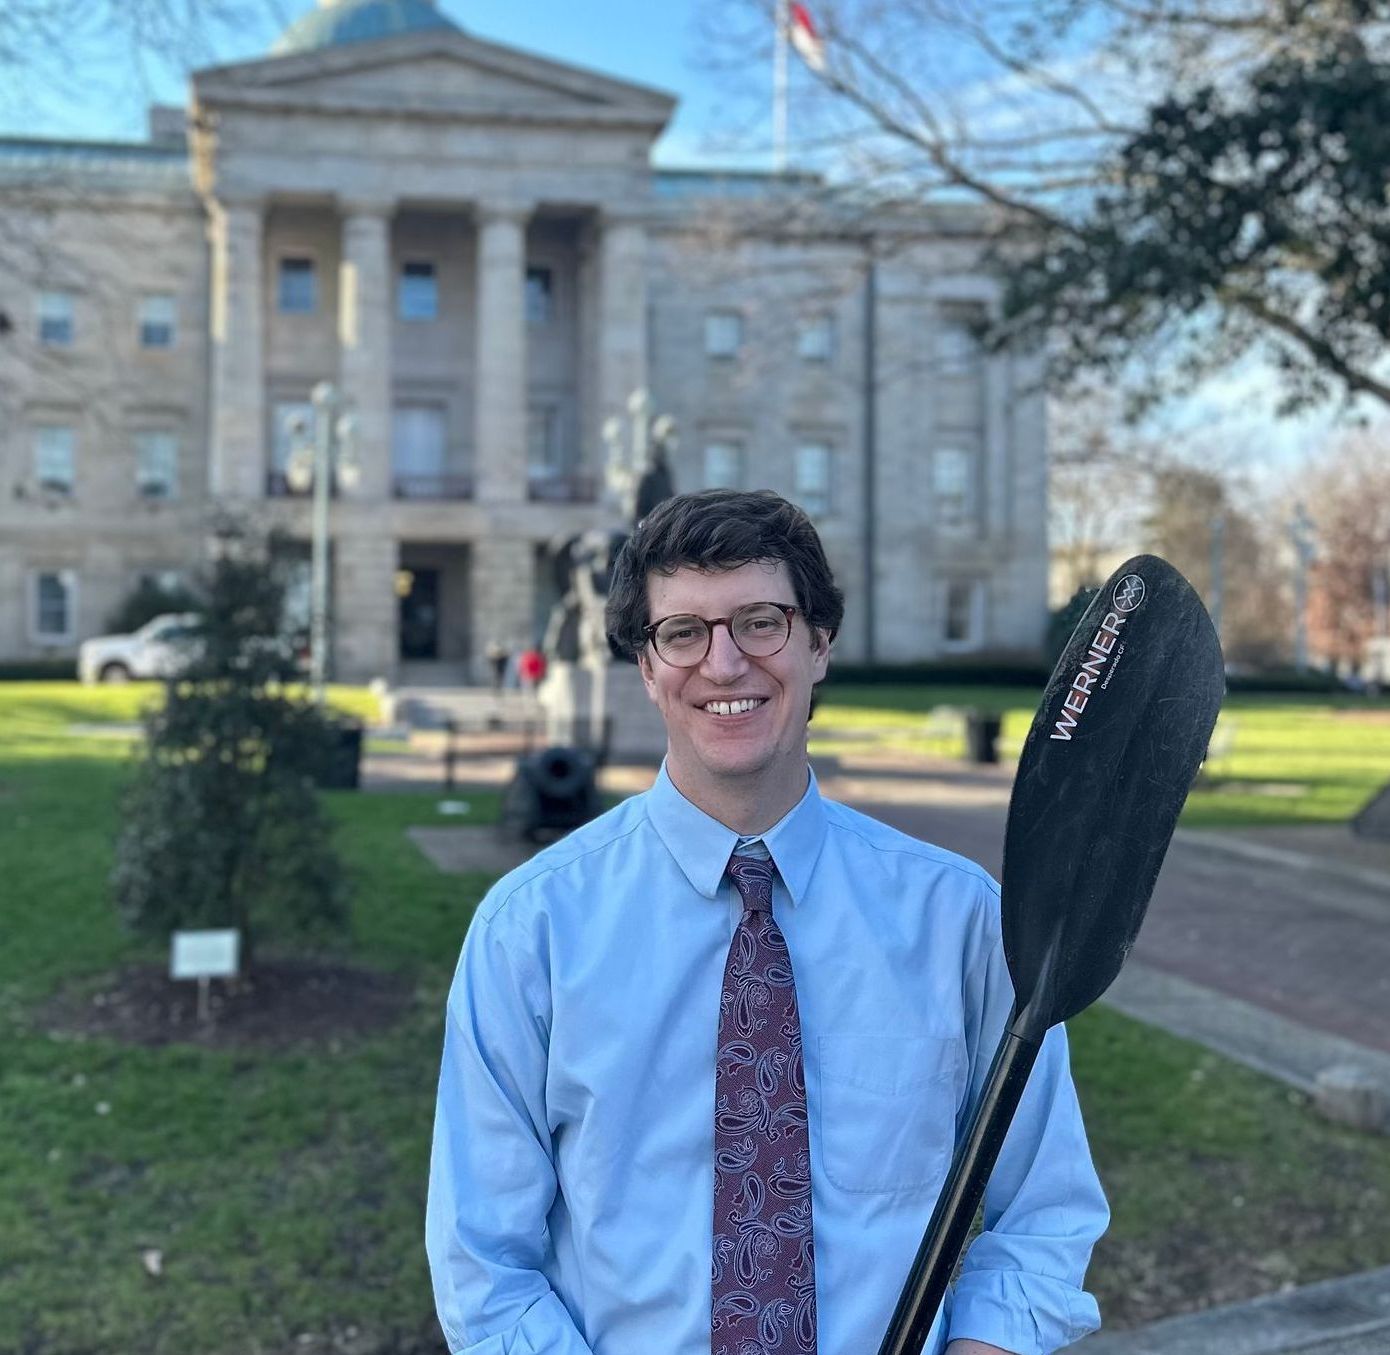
(711, 752)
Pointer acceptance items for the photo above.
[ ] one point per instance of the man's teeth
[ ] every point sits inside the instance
(732, 707)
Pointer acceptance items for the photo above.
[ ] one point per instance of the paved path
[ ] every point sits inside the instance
(1293, 922)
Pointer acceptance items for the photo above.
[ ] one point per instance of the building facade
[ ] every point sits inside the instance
(473, 245)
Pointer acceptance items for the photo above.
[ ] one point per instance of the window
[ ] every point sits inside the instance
(156, 464)
(156, 320)
(543, 442)
(812, 472)
(298, 292)
(961, 622)
(540, 296)
(815, 341)
(55, 458)
(51, 606)
(723, 334)
(286, 417)
(953, 474)
(57, 327)
(723, 465)
(419, 444)
(418, 298)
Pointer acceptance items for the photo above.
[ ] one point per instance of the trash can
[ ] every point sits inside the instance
(982, 736)
(342, 763)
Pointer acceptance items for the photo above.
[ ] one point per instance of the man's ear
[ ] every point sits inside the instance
(644, 666)
(820, 651)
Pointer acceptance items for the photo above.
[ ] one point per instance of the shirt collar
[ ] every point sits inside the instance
(701, 845)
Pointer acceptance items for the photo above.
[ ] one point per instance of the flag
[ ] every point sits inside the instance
(809, 44)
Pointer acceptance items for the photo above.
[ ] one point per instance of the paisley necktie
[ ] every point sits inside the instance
(764, 1257)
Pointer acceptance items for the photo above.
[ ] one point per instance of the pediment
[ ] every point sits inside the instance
(433, 73)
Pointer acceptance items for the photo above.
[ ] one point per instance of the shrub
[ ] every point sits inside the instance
(223, 825)
(1064, 621)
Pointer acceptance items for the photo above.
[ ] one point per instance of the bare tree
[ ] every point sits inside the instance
(1347, 494)
(1198, 172)
(1100, 483)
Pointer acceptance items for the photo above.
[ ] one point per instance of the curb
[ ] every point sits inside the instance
(1350, 1316)
(1281, 856)
(1348, 1082)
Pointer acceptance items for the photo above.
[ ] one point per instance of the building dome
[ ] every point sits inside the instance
(338, 22)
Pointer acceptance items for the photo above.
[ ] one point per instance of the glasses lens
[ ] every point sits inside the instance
(760, 629)
(682, 640)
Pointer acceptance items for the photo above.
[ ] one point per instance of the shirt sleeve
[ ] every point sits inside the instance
(492, 1176)
(1020, 1286)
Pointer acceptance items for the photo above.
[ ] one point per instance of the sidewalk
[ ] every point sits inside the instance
(1337, 1317)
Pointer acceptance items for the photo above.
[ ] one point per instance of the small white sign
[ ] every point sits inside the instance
(204, 955)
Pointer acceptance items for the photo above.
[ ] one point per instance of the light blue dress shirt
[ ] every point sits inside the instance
(572, 1179)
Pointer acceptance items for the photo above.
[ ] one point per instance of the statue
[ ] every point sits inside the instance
(637, 477)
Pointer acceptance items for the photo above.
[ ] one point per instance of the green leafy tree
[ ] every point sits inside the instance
(223, 825)
(1235, 216)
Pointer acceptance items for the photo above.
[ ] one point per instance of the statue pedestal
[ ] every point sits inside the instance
(568, 695)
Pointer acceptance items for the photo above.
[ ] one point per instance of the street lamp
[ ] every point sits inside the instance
(1301, 528)
(322, 449)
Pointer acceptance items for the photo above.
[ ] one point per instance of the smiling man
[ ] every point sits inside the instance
(706, 1058)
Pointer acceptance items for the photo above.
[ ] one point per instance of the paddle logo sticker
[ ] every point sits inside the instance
(1128, 594)
(1103, 655)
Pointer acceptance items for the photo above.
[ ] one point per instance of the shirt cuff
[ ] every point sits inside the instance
(545, 1328)
(1025, 1314)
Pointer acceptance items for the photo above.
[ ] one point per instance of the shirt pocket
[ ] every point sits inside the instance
(888, 1109)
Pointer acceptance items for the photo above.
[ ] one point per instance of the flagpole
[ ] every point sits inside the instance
(779, 89)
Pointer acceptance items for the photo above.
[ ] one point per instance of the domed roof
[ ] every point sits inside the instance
(336, 22)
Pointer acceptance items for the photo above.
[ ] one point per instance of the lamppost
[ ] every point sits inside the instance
(322, 449)
(1218, 571)
(1301, 533)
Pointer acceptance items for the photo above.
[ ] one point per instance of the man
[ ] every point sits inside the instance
(631, 1154)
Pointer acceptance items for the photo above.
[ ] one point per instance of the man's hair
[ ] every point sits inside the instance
(720, 529)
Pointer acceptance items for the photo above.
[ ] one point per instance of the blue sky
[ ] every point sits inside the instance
(652, 44)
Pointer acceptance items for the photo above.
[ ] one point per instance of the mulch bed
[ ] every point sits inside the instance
(283, 1003)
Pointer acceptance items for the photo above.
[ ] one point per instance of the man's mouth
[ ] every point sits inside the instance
(734, 707)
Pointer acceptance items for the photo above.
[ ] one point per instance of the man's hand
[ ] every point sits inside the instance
(974, 1348)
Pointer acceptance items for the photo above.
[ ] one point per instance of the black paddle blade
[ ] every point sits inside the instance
(1121, 731)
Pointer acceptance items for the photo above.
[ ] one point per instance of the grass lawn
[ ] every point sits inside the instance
(1292, 760)
(285, 1190)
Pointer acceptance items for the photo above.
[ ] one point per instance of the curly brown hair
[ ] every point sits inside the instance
(719, 529)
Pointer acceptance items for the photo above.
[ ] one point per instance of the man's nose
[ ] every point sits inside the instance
(724, 655)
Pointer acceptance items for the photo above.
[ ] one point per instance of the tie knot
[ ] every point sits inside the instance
(753, 880)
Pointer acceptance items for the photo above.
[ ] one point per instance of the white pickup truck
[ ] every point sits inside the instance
(157, 650)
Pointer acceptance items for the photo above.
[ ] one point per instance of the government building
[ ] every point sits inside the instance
(472, 244)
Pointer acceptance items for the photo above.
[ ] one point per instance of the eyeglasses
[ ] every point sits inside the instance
(759, 629)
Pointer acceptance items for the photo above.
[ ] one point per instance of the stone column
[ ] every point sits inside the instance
(237, 462)
(365, 606)
(622, 319)
(499, 389)
(364, 340)
(502, 590)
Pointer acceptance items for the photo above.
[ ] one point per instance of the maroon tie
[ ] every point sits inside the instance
(764, 1257)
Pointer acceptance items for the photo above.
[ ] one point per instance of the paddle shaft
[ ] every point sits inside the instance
(960, 1197)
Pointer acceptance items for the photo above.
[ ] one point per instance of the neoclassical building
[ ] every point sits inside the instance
(471, 242)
